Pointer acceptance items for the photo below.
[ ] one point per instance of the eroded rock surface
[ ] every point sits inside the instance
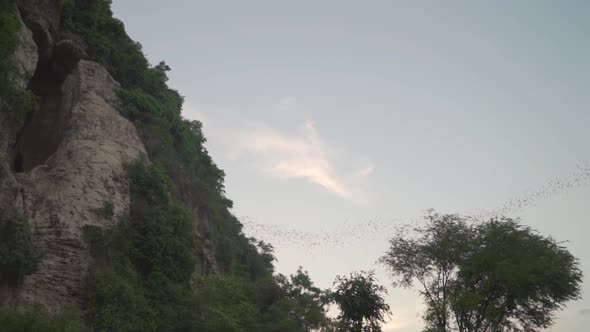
(25, 56)
(62, 194)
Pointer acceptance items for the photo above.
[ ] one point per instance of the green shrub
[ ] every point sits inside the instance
(105, 38)
(226, 304)
(18, 256)
(274, 303)
(138, 105)
(141, 271)
(15, 101)
(38, 320)
(9, 26)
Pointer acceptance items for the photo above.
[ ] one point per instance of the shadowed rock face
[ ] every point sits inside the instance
(43, 66)
(68, 161)
(44, 130)
(85, 171)
(25, 60)
(25, 56)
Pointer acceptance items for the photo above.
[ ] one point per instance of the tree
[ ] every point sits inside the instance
(271, 304)
(306, 303)
(496, 275)
(18, 255)
(362, 307)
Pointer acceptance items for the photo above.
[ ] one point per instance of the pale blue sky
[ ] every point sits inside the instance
(332, 113)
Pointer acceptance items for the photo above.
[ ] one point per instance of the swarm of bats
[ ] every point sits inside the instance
(349, 234)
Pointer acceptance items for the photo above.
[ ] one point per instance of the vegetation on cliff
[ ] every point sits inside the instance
(18, 256)
(9, 26)
(38, 320)
(14, 101)
(172, 141)
(143, 277)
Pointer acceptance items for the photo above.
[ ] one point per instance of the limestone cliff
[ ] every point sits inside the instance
(62, 165)
(66, 163)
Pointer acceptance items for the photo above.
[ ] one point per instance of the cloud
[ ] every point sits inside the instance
(302, 155)
(367, 171)
(283, 153)
(286, 104)
(585, 312)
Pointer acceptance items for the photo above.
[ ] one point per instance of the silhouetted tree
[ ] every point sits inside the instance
(482, 277)
(361, 303)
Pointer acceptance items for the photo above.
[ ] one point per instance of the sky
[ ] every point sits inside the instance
(337, 120)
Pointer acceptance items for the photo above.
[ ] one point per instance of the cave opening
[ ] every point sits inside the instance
(44, 128)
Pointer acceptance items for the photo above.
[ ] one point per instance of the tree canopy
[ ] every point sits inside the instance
(496, 275)
(361, 302)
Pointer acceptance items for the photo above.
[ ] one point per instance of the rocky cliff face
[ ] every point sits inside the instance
(65, 167)
(25, 56)
(62, 167)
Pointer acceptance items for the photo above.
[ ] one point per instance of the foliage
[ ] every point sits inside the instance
(117, 300)
(20, 101)
(9, 26)
(361, 302)
(38, 320)
(105, 39)
(304, 303)
(173, 142)
(161, 228)
(18, 256)
(225, 303)
(492, 276)
(140, 278)
(273, 304)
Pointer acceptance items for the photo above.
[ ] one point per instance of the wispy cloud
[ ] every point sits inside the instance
(585, 312)
(367, 171)
(283, 152)
(301, 155)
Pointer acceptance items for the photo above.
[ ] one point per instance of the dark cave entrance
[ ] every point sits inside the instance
(44, 128)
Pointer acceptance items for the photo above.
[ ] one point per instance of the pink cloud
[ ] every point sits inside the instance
(303, 155)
